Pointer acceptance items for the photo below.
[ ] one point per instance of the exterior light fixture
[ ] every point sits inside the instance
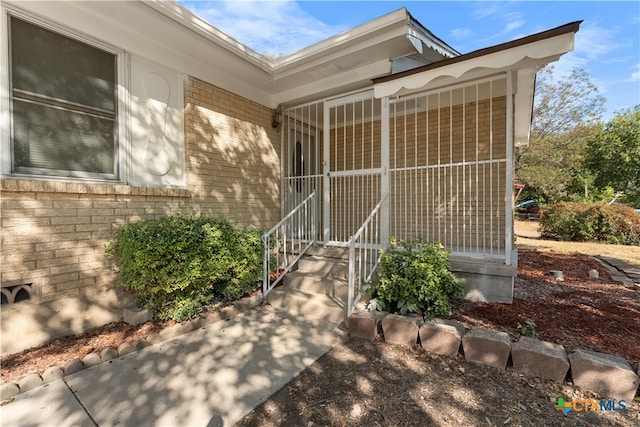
(277, 119)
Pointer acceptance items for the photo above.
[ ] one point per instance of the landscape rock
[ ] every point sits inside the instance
(91, 359)
(108, 354)
(154, 338)
(401, 330)
(487, 347)
(125, 348)
(593, 273)
(190, 325)
(30, 382)
(171, 332)
(364, 325)
(542, 359)
(8, 390)
(136, 315)
(607, 375)
(442, 336)
(72, 366)
(52, 374)
(140, 343)
(557, 274)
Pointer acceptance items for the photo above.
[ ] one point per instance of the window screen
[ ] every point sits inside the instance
(63, 103)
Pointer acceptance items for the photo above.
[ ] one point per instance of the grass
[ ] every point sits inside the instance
(630, 254)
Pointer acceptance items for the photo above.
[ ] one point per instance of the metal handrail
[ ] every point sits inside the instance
(367, 256)
(285, 256)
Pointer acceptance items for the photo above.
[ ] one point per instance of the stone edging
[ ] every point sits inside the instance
(607, 375)
(9, 390)
(620, 271)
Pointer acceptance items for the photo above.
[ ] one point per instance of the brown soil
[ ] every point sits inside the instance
(364, 383)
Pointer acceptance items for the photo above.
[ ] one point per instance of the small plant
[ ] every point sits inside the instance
(415, 281)
(527, 326)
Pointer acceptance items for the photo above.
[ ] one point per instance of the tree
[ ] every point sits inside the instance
(613, 154)
(566, 111)
(562, 105)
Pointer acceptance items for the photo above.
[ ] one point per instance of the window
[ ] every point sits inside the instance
(64, 105)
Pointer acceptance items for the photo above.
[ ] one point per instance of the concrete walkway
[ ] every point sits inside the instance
(209, 377)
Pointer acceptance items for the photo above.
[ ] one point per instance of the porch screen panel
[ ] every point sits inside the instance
(447, 168)
(354, 164)
(302, 157)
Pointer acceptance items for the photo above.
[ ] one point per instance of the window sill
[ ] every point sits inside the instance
(10, 184)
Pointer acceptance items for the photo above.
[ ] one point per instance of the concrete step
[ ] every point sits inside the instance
(329, 252)
(335, 288)
(307, 304)
(324, 267)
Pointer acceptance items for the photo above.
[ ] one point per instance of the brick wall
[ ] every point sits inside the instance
(53, 233)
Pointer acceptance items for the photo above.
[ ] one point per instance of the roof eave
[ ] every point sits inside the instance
(537, 49)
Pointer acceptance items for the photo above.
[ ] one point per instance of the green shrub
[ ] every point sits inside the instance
(581, 222)
(177, 264)
(417, 281)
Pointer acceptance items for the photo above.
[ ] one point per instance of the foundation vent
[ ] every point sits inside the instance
(12, 294)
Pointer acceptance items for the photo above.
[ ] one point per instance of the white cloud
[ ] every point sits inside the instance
(508, 21)
(461, 33)
(271, 27)
(636, 74)
(593, 44)
(513, 25)
(484, 9)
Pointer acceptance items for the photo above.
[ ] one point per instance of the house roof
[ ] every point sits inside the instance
(344, 62)
(168, 34)
(570, 28)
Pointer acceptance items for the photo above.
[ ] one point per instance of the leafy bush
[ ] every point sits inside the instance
(579, 222)
(177, 264)
(417, 281)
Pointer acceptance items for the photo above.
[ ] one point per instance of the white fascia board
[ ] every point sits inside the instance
(336, 43)
(523, 104)
(334, 84)
(536, 53)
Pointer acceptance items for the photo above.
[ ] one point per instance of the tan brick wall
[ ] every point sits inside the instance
(232, 155)
(53, 233)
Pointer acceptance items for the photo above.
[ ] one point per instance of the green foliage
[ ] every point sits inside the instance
(579, 222)
(613, 154)
(527, 326)
(177, 264)
(415, 281)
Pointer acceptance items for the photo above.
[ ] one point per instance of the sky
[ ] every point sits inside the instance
(607, 45)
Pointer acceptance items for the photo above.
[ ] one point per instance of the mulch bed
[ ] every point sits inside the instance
(579, 312)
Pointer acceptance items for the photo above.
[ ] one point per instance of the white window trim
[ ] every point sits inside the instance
(122, 95)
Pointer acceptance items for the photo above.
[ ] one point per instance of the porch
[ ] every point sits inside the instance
(421, 155)
(434, 166)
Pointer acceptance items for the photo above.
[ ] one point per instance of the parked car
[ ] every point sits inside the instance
(527, 210)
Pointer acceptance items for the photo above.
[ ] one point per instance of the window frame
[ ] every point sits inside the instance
(121, 127)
